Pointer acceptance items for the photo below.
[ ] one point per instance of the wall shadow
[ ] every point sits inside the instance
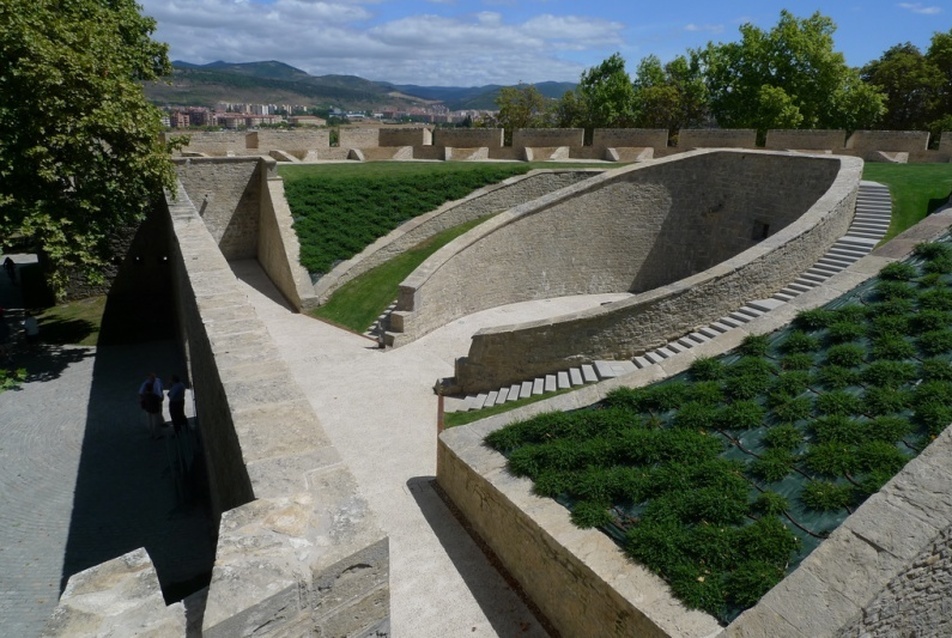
(133, 491)
(469, 556)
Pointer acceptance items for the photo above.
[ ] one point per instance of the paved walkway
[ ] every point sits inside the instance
(81, 481)
(379, 409)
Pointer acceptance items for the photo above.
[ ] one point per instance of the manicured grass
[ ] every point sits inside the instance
(453, 419)
(917, 190)
(359, 302)
(723, 479)
(73, 323)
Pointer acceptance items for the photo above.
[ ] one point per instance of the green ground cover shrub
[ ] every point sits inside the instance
(341, 209)
(827, 414)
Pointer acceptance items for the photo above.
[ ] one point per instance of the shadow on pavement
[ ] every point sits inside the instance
(133, 491)
(468, 554)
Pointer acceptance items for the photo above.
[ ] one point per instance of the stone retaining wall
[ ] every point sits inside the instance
(884, 572)
(417, 136)
(806, 139)
(468, 137)
(603, 138)
(219, 143)
(547, 137)
(688, 283)
(890, 141)
(689, 138)
(483, 202)
(359, 137)
(227, 193)
(299, 549)
(299, 140)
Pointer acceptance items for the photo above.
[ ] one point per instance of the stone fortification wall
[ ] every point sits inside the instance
(483, 202)
(806, 139)
(220, 143)
(631, 229)
(578, 578)
(406, 137)
(603, 138)
(710, 278)
(299, 551)
(689, 138)
(293, 141)
(884, 572)
(279, 250)
(945, 142)
(547, 137)
(438, 153)
(359, 137)
(890, 141)
(468, 137)
(227, 193)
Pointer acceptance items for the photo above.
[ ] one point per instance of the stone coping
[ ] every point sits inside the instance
(822, 596)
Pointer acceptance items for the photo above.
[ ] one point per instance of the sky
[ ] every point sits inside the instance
(477, 42)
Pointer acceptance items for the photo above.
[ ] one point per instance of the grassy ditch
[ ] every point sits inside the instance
(359, 302)
(917, 190)
(723, 479)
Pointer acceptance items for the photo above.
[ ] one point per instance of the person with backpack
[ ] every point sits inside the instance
(150, 400)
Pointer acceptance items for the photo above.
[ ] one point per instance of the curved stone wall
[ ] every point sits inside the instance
(483, 202)
(659, 229)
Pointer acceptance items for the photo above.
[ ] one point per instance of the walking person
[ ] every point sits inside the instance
(150, 400)
(177, 403)
(32, 329)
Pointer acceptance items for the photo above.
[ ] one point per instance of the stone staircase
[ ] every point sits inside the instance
(870, 223)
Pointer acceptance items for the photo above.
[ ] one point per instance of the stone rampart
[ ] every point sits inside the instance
(886, 571)
(299, 549)
(294, 141)
(628, 230)
(468, 137)
(603, 138)
(689, 138)
(359, 137)
(485, 201)
(806, 139)
(547, 137)
(945, 142)
(683, 281)
(227, 193)
(216, 143)
(416, 136)
(889, 141)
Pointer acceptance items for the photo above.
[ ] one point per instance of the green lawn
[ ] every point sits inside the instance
(917, 190)
(360, 301)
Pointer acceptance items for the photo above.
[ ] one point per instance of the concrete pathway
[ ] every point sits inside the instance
(379, 409)
(81, 481)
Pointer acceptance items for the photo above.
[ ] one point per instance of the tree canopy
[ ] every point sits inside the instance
(788, 77)
(79, 143)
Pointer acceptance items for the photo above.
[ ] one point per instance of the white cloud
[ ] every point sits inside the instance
(917, 7)
(349, 37)
(704, 28)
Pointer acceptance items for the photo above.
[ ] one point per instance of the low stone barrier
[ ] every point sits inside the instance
(889, 141)
(604, 138)
(806, 139)
(547, 137)
(689, 138)
(351, 137)
(216, 143)
(417, 136)
(298, 140)
(468, 137)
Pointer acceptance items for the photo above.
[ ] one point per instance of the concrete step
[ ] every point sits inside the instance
(641, 362)
(515, 392)
(764, 305)
(588, 373)
(551, 383)
(848, 240)
(818, 278)
(575, 376)
(783, 296)
(612, 369)
(654, 357)
(525, 389)
(538, 386)
(562, 380)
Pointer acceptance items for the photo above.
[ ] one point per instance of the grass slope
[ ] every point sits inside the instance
(917, 190)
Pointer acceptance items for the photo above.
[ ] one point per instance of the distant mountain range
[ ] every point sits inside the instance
(278, 83)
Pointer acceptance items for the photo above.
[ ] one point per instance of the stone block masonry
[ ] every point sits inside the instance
(547, 137)
(889, 141)
(806, 139)
(629, 138)
(294, 529)
(689, 138)
(468, 137)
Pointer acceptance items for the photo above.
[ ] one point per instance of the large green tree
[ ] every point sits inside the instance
(788, 77)
(79, 143)
(671, 96)
(910, 83)
(521, 106)
(604, 98)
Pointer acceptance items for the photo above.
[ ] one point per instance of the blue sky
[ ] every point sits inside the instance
(478, 42)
